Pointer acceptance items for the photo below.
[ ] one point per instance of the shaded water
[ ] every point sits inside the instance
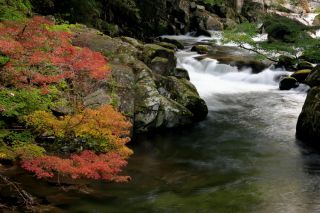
(243, 158)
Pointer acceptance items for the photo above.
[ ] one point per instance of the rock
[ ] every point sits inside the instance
(134, 88)
(228, 23)
(201, 49)
(160, 66)
(167, 45)
(161, 60)
(314, 77)
(171, 114)
(204, 20)
(316, 21)
(304, 65)
(301, 75)
(286, 62)
(150, 51)
(95, 40)
(132, 41)
(308, 126)
(201, 32)
(183, 92)
(97, 98)
(180, 73)
(288, 83)
(154, 109)
(177, 43)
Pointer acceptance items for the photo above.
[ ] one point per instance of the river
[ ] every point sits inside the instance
(243, 158)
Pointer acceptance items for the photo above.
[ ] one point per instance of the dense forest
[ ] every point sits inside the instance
(159, 106)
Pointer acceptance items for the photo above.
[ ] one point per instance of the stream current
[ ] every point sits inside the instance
(243, 158)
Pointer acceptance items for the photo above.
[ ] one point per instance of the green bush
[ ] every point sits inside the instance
(14, 9)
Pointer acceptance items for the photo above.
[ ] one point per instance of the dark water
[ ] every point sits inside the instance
(243, 158)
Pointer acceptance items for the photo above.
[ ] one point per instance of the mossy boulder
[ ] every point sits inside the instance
(160, 66)
(302, 65)
(150, 51)
(134, 42)
(167, 45)
(180, 73)
(153, 109)
(313, 78)
(175, 42)
(308, 126)
(301, 75)
(201, 49)
(288, 83)
(183, 92)
(286, 62)
(316, 21)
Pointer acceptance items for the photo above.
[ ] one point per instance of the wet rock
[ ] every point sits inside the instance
(183, 92)
(151, 51)
(160, 66)
(201, 32)
(286, 62)
(167, 45)
(301, 75)
(314, 77)
(180, 73)
(308, 126)
(177, 43)
(134, 42)
(288, 83)
(304, 65)
(201, 49)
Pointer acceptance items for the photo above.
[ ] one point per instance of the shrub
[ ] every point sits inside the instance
(103, 129)
(40, 56)
(84, 165)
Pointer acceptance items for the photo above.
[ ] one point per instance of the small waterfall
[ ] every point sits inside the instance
(210, 77)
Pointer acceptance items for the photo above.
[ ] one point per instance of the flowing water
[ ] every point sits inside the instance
(243, 158)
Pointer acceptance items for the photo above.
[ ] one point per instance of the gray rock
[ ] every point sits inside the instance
(308, 126)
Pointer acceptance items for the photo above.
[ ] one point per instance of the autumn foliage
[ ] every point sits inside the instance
(103, 129)
(84, 165)
(42, 56)
(45, 72)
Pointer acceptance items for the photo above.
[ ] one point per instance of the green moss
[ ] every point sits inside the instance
(14, 9)
(17, 103)
(4, 60)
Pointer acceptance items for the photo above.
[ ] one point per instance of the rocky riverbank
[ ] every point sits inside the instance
(147, 87)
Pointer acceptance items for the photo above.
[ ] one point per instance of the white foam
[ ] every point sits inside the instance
(212, 78)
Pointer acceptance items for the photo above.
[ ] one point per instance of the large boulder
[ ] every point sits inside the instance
(134, 85)
(151, 51)
(301, 75)
(302, 65)
(153, 109)
(314, 77)
(288, 83)
(184, 93)
(316, 21)
(201, 49)
(308, 126)
(286, 62)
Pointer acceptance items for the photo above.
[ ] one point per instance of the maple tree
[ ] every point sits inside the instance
(43, 70)
(103, 129)
(42, 56)
(84, 165)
